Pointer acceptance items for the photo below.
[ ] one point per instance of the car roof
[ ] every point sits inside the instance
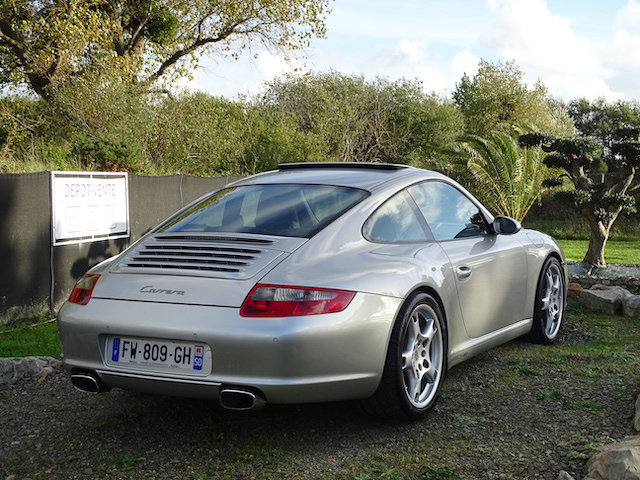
(349, 174)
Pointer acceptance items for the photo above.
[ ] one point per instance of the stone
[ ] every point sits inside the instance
(631, 306)
(618, 461)
(573, 292)
(15, 369)
(604, 299)
(564, 476)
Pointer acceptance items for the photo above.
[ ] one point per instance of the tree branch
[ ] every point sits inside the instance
(176, 56)
(20, 49)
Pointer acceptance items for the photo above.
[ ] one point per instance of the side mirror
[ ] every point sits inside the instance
(506, 225)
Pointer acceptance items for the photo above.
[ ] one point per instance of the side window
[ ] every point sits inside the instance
(449, 213)
(395, 221)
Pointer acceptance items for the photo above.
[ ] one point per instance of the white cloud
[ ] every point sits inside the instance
(245, 76)
(545, 46)
(569, 44)
(465, 62)
(579, 86)
(530, 34)
(627, 49)
(271, 65)
(410, 59)
(629, 15)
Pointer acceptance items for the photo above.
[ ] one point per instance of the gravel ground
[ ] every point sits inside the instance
(503, 415)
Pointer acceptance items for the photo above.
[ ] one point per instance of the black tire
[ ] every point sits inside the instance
(416, 363)
(549, 304)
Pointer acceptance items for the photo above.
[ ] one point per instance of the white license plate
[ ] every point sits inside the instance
(181, 355)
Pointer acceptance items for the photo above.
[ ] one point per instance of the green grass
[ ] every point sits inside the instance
(615, 251)
(25, 340)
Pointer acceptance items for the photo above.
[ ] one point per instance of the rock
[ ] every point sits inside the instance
(625, 276)
(573, 292)
(631, 306)
(15, 369)
(636, 422)
(604, 299)
(618, 461)
(613, 300)
(564, 476)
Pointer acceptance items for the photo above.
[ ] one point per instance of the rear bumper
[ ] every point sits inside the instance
(315, 358)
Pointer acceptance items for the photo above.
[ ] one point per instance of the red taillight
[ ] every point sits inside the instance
(283, 301)
(81, 293)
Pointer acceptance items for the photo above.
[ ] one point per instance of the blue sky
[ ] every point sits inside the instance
(578, 48)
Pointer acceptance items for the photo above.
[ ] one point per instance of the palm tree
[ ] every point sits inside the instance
(508, 178)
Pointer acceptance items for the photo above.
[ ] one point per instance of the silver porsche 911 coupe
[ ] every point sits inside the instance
(315, 282)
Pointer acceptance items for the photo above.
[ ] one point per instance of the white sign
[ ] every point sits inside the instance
(88, 207)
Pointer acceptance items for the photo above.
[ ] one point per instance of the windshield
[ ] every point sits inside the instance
(287, 210)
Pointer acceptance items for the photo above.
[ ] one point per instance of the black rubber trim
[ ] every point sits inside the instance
(363, 165)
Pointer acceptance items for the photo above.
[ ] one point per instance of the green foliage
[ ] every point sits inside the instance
(607, 122)
(553, 182)
(208, 136)
(439, 473)
(31, 137)
(629, 150)
(42, 43)
(356, 120)
(584, 147)
(162, 26)
(102, 154)
(47, 45)
(600, 200)
(553, 395)
(197, 134)
(614, 201)
(585, 405)
(497, 99)
(509, 179)
(557, 215)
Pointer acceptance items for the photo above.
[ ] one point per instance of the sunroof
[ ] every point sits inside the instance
(363, 165)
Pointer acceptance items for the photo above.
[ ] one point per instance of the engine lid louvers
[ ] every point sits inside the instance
(206, 256)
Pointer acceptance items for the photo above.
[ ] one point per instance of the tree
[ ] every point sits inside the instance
(601, 199)
(509, 178)
(601, 120)
(497, 99)
(46, 43)
(359, 120)
(198, 134)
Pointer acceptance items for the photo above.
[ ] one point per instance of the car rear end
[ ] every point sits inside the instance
(196, 308)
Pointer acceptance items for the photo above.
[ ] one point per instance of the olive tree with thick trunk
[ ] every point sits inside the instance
(600, 198)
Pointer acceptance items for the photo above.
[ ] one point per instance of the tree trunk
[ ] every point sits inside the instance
(595, 252)
(598, 237)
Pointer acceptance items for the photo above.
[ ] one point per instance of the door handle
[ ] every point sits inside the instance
(463, 272)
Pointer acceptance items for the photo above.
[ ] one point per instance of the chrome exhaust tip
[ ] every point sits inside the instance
(88, 382)
(241, 400)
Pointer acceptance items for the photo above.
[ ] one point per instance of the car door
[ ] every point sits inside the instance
(490, 270)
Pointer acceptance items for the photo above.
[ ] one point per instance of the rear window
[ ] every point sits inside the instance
(287, 210)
